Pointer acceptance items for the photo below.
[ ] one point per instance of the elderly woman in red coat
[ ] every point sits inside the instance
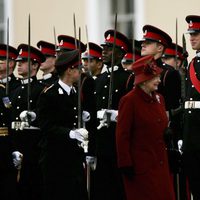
(142, 120)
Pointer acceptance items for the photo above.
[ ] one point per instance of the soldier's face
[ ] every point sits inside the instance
(22, 68)
(149, 48)
(75, 74)
(48, 64)
(107, 54)
(195, 40)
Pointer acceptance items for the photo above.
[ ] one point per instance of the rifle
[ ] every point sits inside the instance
(29, 64)
(7, 60)
(112, 74)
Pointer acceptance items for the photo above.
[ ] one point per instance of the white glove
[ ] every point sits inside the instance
(85, 116)
(91, 161)
(103, 114)
(27, 116)
(17, 159)
(80, 134)
(113, 115)
(180, 145)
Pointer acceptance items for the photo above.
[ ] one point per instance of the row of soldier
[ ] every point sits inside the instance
(41, 148)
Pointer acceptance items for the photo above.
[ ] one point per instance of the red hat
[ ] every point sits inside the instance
(128, 58)
(121, 40)
(171, 52)
(35, 54)
(145, 69)
(48, 49)
(155, 34)
(193, 23)
(95, 51)
(12, 52)
(69, 43)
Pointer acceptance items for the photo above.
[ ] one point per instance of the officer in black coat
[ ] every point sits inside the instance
(8, 173)
(49, 75)
(63, 156)
(191, 137)
(25, 131)
(108, 184)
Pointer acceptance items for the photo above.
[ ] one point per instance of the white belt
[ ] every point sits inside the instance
(192, 105)
(18, 125)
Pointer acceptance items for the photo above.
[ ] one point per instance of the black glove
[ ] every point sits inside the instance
(127, 171)
(168, 135)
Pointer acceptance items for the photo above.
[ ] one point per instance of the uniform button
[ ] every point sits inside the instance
(116, 90)
(1, 114)
(22, 87)
(31, 101)
(186, 79)
(95, 92)
(161, 162)
(192, 86)
(74, 108)
(198, 60)
(17, 118)
(3, 124)
(18, 107)
(103, 97)
(19, 97)
(189, 111)
(164, 64)
(190, 99)
(108, 76)
(74, 124)
(76, 116)
(105, 86)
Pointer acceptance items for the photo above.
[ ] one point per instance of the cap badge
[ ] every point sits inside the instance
(145, 33)
(190, 24)
(61, 42)
(20, 51)
(108, 37)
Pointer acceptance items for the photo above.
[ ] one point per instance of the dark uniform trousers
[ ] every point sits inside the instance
(191, 136)
(61, 158)
(26, 141)
(8, 173)
(108, 183)
(170, 88)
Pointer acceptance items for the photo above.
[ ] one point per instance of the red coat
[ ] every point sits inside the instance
(141, 123)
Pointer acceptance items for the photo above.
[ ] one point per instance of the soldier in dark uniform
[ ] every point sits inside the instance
(191, 136)
(63, 157)
(49, 74)
(92, 60)
(108, 184)
(132, 55)
(8, 173)
(13, 81)
(25, 131)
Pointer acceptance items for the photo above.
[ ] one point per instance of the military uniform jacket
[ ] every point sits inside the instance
(170, 86)
(88, 102)
(6, 145)
(58, 115)
(191, 136)
(26, 141)
(122, 83)
(51, 79)
(140, 145)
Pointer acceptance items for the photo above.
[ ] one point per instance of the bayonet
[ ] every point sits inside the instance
(111, 74)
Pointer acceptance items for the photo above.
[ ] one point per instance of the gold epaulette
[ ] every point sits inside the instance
(47, 88)
(3, 86)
